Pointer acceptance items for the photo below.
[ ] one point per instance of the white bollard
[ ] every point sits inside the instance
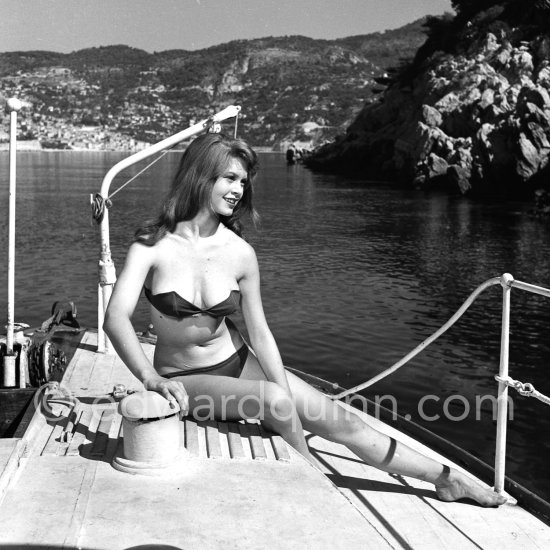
(152, 434)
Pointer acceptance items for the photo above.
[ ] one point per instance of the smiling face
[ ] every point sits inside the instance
(229, 188)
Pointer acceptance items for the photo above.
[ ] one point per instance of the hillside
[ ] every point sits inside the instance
(290, 88)
(470, 113)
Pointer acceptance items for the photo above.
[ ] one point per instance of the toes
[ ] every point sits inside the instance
(462, 488)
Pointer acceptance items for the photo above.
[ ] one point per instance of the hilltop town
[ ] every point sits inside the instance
(61, 110)
(292, 89)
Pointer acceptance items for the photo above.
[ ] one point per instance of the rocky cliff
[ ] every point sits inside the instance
(472, 113)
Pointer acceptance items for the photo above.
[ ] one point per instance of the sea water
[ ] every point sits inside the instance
(355, 274)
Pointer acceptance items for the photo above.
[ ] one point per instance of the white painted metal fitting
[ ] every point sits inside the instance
(507, 280)
(152, 434)
(13, 104)
(8, 374)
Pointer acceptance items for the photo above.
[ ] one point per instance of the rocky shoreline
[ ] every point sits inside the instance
(475, 120)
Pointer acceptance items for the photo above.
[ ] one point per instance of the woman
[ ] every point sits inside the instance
(195, 270)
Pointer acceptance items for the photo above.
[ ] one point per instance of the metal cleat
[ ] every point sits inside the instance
(119, 391)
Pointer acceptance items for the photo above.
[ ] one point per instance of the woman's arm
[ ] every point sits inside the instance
(118, 325)
(261, 338)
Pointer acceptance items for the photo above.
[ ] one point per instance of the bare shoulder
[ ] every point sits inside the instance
(240, 248)
(139, 250)
(243, 257)
(141, 256)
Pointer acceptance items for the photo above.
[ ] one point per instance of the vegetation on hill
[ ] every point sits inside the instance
(281, 83)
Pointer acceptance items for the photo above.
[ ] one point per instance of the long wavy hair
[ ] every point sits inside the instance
(202, 163)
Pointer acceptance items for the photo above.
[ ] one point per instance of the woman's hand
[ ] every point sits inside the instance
(172, 390)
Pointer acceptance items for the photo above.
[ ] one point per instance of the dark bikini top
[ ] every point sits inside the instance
(173, 305)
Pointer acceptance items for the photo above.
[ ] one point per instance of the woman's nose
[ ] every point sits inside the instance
(237, 189)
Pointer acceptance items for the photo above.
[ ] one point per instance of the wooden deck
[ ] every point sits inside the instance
(237, 487)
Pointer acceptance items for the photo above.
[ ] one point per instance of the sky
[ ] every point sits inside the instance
(158, 25)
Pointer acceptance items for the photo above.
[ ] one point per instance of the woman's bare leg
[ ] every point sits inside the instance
(328, 419)
(224, 398)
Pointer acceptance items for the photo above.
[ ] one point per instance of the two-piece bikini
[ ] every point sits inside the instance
(173, 305)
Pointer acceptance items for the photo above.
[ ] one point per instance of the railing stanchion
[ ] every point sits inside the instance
(13, 105)
(502, 399)
(100, 318)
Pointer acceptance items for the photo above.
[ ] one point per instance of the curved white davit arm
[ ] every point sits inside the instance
(107, 273)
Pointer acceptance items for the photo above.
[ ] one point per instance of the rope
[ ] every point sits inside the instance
(139, 173)
(98, 207)
(427, 342)
(527, 389)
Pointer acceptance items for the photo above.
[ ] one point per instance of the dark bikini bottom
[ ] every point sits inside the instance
(233, 366)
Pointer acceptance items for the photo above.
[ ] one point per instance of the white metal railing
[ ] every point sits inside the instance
(504, 381)
(107, 273)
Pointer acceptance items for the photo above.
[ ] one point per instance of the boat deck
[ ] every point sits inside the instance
(236, 487)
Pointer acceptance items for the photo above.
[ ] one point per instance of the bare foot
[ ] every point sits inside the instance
(453, 485)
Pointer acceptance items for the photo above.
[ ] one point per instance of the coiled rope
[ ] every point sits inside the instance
(98, 207)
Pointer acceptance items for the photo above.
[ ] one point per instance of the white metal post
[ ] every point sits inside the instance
(502, 399)
(13, 106)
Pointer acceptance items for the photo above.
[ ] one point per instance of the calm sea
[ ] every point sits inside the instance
(354, 276)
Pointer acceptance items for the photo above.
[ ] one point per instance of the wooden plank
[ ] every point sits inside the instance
(252, 434)
(57, 444)
(347, 472)
(507, 527)
(408, 511)
(74, 425)
(72, 372)
(275, 445)
(83, 371)
(71, 422)
(231, 429)
(52, 446)
(37, 435)
(6, 448)
(109, 373)
(191, 437)
(12, 450)
(213, 439)
(80, 433)
(114, 443)
(280, 448)
(76, 526)
(266, 442)
(201, 433)
(528, 530)
(416, 522)
(101, 439)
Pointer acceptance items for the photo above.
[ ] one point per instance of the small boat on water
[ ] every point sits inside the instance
(75, 472)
